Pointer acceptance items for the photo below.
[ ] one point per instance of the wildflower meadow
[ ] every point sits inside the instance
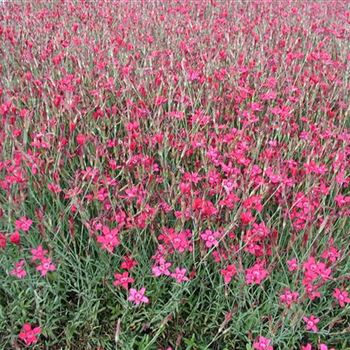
(174, 174)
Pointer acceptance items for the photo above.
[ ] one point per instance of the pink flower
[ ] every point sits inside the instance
(54, 188)
(253, 202)
(247, 218)
(292, 264)
(161, 268)
(331, 253)
(45, 266)
(342, 296)
(123, 279)
(314, 269)
(23, 224)
(306, 347)
(81, 139)
(109, 239)
(180, 275)
(255, 274)
(288, 297)
(262, 343)
(311, 323)
(325, 347)
(228, 273)
(138, 296)
(180, 241)
(228, 185)
(209, 237)
(19, 271)
(29, 335)
(38, 253)
(312, 291)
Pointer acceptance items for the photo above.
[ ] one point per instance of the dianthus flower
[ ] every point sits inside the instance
(138, 296)
(28, 335)
(255, 274)
(262, 343)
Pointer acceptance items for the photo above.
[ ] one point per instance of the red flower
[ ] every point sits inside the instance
(247, 218)
(81, 139)
(229, 273)
(2, 240)
(128, 263)
(15, 238)
(123, 279)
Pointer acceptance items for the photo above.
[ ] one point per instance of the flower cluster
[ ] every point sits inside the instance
(188, 157)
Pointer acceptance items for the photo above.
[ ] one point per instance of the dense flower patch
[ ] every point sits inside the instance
(174, 175)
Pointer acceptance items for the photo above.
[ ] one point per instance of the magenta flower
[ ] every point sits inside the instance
(3, 241)
(311, 323)
(331, 253)
(15, 238)
(161, 268)
(128, 263)
(54, 188)
(288, 297)
(228, 273)
(45, 266)
(38, 253)
(19, 271)
(342, 296)
(210, 238)
(314, 269)
(138, 296)
(311, 291)
(262, 343)
(23, 224)
(255, 274)
(180, 275)
(306, 347)
(28, 335)
(180, 241)
(109, 239)
(292, 265)
(123, 279)
(81, 139)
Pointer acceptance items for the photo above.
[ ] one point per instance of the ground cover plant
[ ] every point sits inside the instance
(174, 175)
